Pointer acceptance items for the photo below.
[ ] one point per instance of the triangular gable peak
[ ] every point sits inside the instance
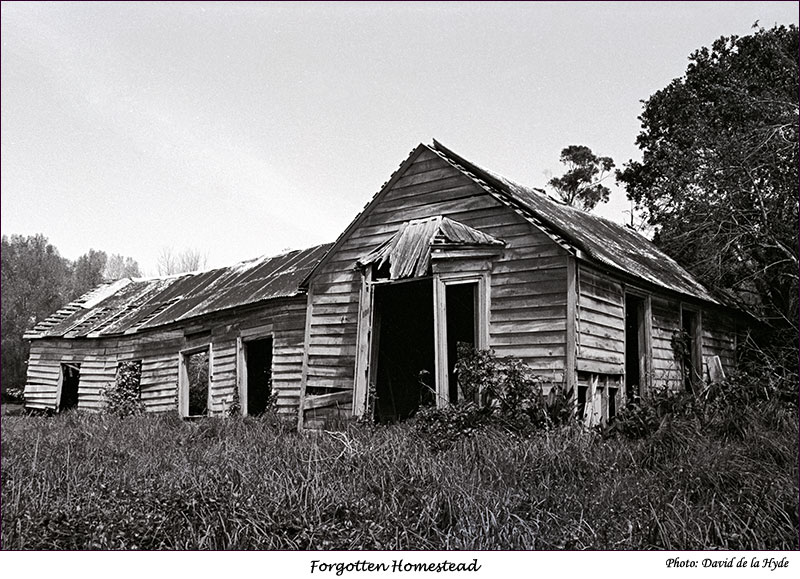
(412, 156)
(449, 162)
(408, 252)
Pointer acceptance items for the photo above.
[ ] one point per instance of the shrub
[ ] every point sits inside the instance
(500, 391)
(124, 398)
(726, 409)
(234, 407)
(14, 395)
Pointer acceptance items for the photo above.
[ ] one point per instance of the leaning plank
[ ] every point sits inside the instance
(326, 400)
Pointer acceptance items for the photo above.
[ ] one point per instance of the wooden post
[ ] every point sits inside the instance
(306, 345)
(571, 350)
(241, 375)
(440, 341)
(363, 332)
(59, 387)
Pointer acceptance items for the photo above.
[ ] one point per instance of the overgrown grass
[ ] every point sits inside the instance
(155, 482)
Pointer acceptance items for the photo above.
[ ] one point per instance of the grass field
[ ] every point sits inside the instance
(155, 482)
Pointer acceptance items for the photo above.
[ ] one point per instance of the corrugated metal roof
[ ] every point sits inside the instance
(408, 252)
(129, 306)
(602, 240)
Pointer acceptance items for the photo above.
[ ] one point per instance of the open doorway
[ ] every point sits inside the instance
(689, 349)
(70, 378)
(195, 381)
(404, 375)
(461, 327)
(634, 346)
(258, 379)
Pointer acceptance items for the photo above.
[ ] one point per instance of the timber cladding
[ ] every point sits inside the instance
(528, 280)
(159, 352)
(445, 254)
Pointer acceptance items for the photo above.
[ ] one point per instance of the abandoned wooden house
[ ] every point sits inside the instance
(445, 253)
(243, 325)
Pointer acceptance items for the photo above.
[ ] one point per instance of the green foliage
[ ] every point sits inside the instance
(718, 179)
(34, 286)
(197, 369)
(441, 427)
(36, 282)
(503, 392)
(581, 185)
(124, 397)
(234, 408)
(78, 481)
(14, 395)
(87, 273)
(118, 267)
(724, 410)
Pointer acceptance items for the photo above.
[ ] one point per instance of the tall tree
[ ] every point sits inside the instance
(581, 185)
(171, 262)
(87, 272)
(118, 267)
(34, 281)
(718, 178)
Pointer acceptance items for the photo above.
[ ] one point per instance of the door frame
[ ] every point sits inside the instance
(440, 283)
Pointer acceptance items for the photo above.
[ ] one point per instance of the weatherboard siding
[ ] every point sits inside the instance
(528, 279)
(719, 339)
(160, 351)
(601, 323)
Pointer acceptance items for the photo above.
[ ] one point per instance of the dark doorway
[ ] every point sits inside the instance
(689, 349)
(258, 357)
(461, 329)
(405, 373)
(634, 308)
(197, 375)
(70, 378)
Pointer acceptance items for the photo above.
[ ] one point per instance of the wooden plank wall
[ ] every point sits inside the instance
(719, 339)
(159, 352)
(601, 323)
(44, 372)
(285, 323)
(528, 287)
(666, 320)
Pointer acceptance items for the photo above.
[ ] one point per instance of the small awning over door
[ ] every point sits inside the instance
(408, 252)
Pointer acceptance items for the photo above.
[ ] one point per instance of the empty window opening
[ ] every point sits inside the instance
(381, 271)
(461, 327)
(258, 363)
(634, 346)
(70, 378)
(403, 335)
(582, 390)
(689, 360)
(612, 403)
(197, 380)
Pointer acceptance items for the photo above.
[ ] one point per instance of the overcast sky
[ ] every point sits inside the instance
(246, 129)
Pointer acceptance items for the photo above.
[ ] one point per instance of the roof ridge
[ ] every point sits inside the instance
(605, 241)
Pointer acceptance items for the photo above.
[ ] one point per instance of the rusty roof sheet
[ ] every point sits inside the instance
(408, 252)
(600, 239)
(128, 306)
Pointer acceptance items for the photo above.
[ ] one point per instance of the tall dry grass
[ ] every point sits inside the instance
(156, 482)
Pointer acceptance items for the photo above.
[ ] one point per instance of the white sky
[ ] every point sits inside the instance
(246, 129)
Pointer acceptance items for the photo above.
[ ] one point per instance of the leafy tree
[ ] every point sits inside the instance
(87, 272)
(718, 178)
(34, 281)
(581, 185)
(118, 267)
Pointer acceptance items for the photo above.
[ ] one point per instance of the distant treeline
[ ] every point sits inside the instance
(36, 282)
